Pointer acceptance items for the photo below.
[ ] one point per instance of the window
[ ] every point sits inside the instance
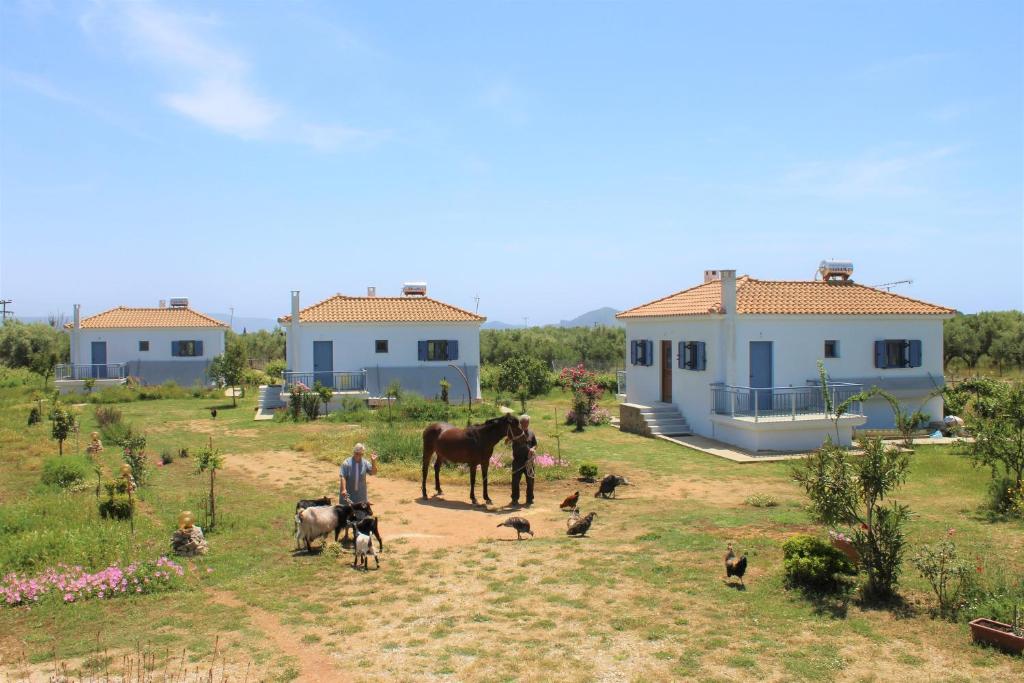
(382, 345)
(187, 348)
(641, 352)
(831, 348)
(438, 349)
(692, 355)
(143, 346)
(898, 353)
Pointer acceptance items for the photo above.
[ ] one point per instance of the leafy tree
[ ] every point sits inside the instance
(848, 489)
(524, 375)
(997, 423)
(36, 346)
(229, 368)
(599, 347)
(264, 346)
(209, 459)
(585, 392)
(63, 424)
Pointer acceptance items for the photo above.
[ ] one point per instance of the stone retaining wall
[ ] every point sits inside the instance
(630, 419)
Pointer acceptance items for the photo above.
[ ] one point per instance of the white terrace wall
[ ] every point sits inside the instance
(354, 348)
(799, 343)
(691, 390)
(156, 365)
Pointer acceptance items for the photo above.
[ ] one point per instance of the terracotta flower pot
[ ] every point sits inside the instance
(846, 548)
(997, 634)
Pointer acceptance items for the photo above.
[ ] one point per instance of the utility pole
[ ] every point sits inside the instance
(477, 300)
(232, 320)
(526, 321)
(3, 310)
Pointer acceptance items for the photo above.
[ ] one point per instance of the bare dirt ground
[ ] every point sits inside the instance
(440, 521)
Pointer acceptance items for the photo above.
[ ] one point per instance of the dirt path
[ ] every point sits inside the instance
(315, 665)
(438, 522)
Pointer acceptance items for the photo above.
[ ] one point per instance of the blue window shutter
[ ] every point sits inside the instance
(422, 349)
(648, 352)
(199, 347)
(915, 353)
(702, 359)
(453, 349)
(880, 354)
(682, 355)
(175, 348)
(632, 352)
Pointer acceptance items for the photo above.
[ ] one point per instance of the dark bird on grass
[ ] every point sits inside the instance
(570, 502)
(520, 524)
(608, 485)
(733, 566)
(574, 516)
(582, 525)
(213, 413)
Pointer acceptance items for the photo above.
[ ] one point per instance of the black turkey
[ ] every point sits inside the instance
(581, 527)
(608, 485)
(520, 524)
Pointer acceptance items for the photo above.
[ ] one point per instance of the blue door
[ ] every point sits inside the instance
(761, 374)
(99, 360)
(323, 363)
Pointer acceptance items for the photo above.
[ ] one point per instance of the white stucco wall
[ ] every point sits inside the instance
(354, 346)
(123, 343)
(798, 343)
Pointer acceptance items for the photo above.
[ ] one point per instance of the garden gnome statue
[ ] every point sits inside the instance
(188, 539)
(95, 445)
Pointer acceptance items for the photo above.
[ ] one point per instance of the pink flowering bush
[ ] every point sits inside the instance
(74, 584)
(596, 416)
(585, 393)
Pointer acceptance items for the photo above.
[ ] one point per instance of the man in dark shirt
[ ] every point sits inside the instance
(523, 452)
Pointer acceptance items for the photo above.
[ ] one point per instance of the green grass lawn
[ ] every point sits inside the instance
(642, 598)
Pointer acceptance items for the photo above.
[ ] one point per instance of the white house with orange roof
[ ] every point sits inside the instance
(152, 344)
(362, 343)
(736, 359)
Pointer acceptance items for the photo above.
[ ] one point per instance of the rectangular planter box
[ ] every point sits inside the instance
(998, 634)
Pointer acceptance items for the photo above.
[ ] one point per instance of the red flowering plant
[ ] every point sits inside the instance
(585, 392)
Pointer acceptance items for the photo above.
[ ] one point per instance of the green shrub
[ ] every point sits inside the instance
(1005, 498)
(588, 471)
(115, 432)
(107, 416)
(66, 472)
(949, 575)
(396, 444)
(813, 564)
(275, 370)
(255, 378)
(489, 375)
(117, 506)
(608, 382)
(761, 500)
(311, 404)
(523, 375)
(166, 456)
(17, 377)
(418, 409)
(35, 416)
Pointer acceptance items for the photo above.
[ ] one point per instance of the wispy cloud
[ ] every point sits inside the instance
(869, 176)
(214, 83)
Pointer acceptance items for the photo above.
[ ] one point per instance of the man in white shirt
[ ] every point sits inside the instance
(352, 475)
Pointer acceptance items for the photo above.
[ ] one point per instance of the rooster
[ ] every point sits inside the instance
(581, 527)
(608, 484)
(735, 567)
(520, 524)
(570, 502)
(213, 413)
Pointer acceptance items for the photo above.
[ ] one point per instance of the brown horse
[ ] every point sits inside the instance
(472, 446)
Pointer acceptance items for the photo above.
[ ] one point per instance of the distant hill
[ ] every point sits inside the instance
(497, 325)
(600, 316)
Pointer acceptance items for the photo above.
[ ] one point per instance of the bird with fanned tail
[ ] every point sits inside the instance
(582, 525)
(735, 566)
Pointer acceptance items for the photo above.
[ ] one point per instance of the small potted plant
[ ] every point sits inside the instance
(842, 543)
(1008, 637)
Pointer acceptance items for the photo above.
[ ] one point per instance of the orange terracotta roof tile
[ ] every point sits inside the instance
(366, 309)
(787, 297)
(123, 316)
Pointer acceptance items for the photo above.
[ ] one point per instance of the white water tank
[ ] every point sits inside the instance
(179, 302)
(835, 270)
(414, 289)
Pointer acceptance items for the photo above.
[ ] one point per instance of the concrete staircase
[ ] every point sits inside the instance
(664, 419)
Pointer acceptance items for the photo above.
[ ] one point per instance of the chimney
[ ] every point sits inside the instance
(727, 370)
(371, 291)
(292, 343)
(712, 276)
(75, 332)
(163, 303)
(728, 300)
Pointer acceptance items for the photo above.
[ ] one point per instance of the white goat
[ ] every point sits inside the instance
(315, 523)
(363, 551)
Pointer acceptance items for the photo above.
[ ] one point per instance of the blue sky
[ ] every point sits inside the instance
(548, 157)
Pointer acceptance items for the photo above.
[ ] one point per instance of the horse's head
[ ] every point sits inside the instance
(508, 424)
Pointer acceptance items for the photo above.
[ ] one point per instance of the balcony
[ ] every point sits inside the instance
(74, 371)
(339, 382)
(781, 403)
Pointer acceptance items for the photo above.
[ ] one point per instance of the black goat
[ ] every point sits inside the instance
(349, 513)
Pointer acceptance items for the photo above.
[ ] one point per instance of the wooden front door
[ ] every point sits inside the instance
(666, 371)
